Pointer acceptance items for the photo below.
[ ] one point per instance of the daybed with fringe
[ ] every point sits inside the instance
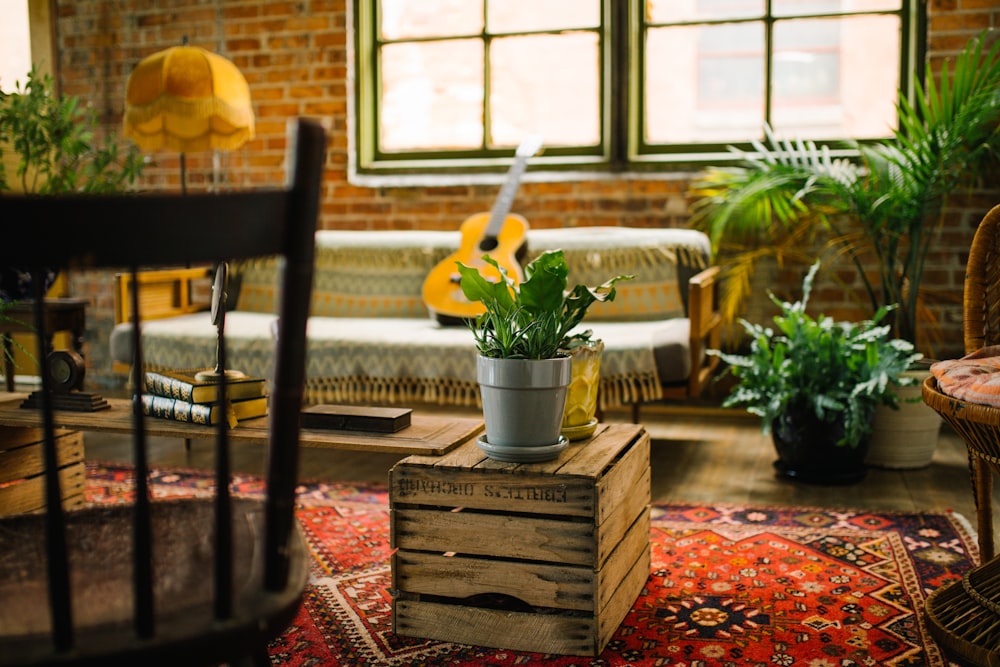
(372, 341)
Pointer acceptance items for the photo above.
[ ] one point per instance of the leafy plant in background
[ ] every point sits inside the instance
(837, 370)
(532, 320)
(55, 142)
(882, 211)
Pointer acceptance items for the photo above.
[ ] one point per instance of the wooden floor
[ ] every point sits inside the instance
(699, 454)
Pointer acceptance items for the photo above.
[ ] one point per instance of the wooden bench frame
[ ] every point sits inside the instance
(162, 293)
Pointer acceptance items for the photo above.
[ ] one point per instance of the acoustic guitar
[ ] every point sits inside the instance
(498, 234)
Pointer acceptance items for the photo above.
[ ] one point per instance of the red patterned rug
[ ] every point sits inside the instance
(728, 585)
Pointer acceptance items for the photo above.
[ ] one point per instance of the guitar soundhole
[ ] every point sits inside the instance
(488, 243)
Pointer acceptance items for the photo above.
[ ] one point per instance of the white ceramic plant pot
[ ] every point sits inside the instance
(523, 404)
(905, 439)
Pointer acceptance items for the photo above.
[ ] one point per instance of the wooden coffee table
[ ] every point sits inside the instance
(427, 434)
(21, 437)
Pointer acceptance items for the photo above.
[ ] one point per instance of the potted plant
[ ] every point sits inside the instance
(815, 383)
(53, 142)
(522, 367)
(882, 211)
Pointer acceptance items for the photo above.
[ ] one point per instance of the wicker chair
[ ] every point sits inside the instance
(965, 616)
(196, 581)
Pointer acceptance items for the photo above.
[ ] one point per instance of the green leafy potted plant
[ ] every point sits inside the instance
(815, 383)
(522, 369)
(53, 141)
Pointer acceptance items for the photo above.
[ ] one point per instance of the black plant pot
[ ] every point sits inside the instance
(808, 450)
(16, 284)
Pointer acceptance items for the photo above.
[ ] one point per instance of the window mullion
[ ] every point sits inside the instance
(768, 60)
(619, 89)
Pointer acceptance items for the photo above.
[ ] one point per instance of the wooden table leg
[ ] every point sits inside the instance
(8, 362)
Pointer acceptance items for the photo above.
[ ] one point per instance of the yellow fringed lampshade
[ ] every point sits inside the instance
(188, 99)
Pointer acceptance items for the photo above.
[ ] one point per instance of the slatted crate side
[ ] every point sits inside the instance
(495, 535)
(618, 485)
(419, 574)
(23, 456)
(28, 495)
(621, 601)
(551, 585)
(616, 570)
(519, 631)
(570, 631)
(469, 488)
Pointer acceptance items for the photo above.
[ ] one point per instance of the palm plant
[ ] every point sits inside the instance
(882, 210)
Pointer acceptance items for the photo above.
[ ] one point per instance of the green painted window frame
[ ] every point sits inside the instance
(622, 147)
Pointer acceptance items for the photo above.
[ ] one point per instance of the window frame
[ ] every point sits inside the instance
(622, 148)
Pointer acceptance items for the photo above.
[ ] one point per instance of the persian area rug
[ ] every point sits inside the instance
(728, 585)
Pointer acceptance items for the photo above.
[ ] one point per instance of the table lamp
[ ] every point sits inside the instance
(186, 99)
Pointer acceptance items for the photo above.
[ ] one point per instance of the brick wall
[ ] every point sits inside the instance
(294, 56)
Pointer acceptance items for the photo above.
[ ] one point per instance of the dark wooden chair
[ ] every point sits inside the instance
(183, 581)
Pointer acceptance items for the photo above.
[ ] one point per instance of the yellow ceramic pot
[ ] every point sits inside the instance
(579, 418)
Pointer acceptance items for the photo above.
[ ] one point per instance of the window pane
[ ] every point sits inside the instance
(432, 95)
(671, 11)
(704, 83)
(402, 19)
(547, 85)
(800, 7)
(15, 49)
(531, 15)
(836, 78)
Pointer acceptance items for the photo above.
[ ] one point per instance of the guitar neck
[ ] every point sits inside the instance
(501, 207)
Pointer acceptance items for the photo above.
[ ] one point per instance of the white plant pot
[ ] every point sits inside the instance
(905, 439)
(523, 404)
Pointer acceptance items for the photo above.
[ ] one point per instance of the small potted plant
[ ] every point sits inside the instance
(50, 143)
(815, 384)
(522, 369)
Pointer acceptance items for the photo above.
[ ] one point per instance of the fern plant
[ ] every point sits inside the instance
(882, 210)
(839, 371)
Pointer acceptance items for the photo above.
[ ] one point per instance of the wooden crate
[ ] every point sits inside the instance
(545, 557)
(22, 486)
